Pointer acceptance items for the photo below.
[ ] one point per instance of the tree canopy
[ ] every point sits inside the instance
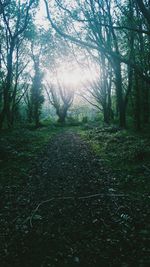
(110, 38)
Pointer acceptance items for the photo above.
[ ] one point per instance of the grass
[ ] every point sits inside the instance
(19, 149)
(126, 154)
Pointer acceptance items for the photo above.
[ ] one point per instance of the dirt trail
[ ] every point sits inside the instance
(61, 221)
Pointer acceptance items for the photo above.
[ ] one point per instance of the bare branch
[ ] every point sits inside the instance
(101, 48)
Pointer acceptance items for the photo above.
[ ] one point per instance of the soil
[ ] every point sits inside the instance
(70, 213)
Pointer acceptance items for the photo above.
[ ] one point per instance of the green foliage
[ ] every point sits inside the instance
(71, 121)
(85, 119)
(126, 154)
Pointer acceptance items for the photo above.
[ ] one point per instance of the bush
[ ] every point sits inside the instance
(85, 119)
(71, 121)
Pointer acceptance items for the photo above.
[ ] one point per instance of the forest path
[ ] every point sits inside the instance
(70, 212)
(70, 168)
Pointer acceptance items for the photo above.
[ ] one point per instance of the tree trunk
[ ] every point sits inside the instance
(37, 117)
(119, 94)
(109, 104)
(62, 113)
(145, 104)
(137, 105)
(105, 114)
(6, 113)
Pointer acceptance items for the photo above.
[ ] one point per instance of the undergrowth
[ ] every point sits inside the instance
(18, 150)
(126, 154)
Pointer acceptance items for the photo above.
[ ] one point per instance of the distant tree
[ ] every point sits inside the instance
(144, 8)
(61, 98)
(110, 32)
(37, 97)
(98, 92)
(3, 5)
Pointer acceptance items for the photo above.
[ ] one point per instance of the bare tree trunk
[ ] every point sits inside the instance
(7, 90)
(137, 105)
(119, 95)
(62, 114)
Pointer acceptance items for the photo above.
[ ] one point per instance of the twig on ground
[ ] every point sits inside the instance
(66, 198)
(146, 168)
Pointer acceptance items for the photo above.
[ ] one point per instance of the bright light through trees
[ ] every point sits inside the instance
(99, 51)
(70, 74)
(72, 77)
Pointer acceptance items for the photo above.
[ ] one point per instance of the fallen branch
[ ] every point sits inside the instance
(146, 168)
(66, 198)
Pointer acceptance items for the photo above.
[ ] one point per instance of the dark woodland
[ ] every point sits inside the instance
(74, 133)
